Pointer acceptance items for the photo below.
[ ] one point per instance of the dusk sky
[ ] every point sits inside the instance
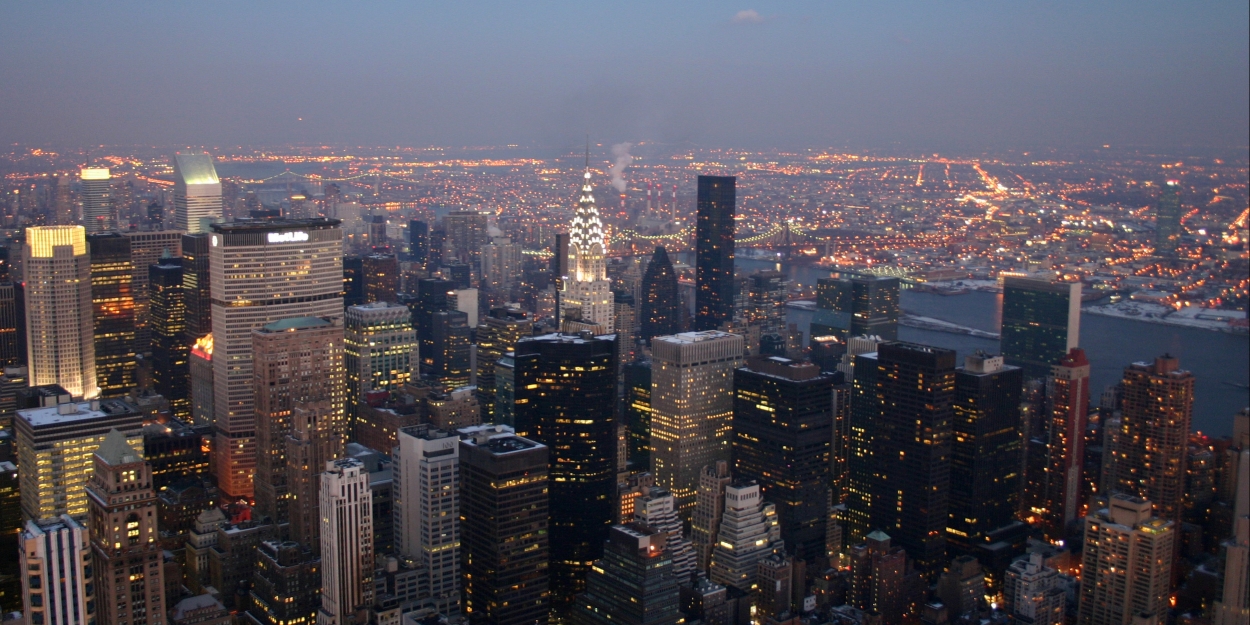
(917, 75)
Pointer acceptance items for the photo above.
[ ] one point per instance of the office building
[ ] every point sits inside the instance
(315, 440)
(557, 376)
(709, 510)
(453, 410)
(501, 264)
(1168, 213)
(261, 272)
(503, 528)
(434, 295)
(427, 510)
(637, 376)
(196, 286)
(1067, 403)
(353, 280)
(113, 312)
(748, 533)
(297, 362)
(54, 448)
(505, 390)
(691, 407)
(121, 505)
(624, 315)
(633, 583)
(12, 326)
(346, 541)
(714, 252)
(466, 234)
(148, 248)
(200, 364)
(62, 202)
(497, 335)
(167, 326)
(1034, 593)
(659, 311)
(986, 450)
(59, 587)
(1234, 606)
(381, 277)
(655, 508)
(197, 192)
(99, 213)
(1126, 564)
(879, 578)
(901, 445)
(767, 294)
(177, 455)
(855, 305)
(1157, 409)
(381, 350)
(59, 327)
(782, 435)
(419, 243)
(286, 584)
(1041, 322)
(586, 287)
(449, 359)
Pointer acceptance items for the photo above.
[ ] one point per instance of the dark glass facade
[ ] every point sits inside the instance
(1168, 219)
(167, 312)
(353, 281)
(195, 286)
(448, 358)
(433, 295)
(660, 313)
(113, 312)
(504, 540)
(782, 439)
(419, 242)
(381, 277)
(633, 584)
(1040, 323)
(565, 399)
(856, 306)
(638, 413)
(906, 425)
(714, 252)
(987, 451)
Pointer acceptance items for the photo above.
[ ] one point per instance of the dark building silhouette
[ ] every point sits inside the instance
(286, 587)
(714, 253)
(449, 355)
(171, 353)
(565, 399)
(782, 439)
(660, 309)
(381, 277)
(176, 452)
(433, 295)
(986, 451)
(633, 584)
(638, 412)
(901, 444)
(504, 540)
(1041, 322)
(419, 243)
(460, 274)
(113, 312)
(353, 281)
(1168, 219)
(856, 306)
(195, 286)
(9, 343)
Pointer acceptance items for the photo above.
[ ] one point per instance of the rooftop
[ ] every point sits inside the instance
(693, 337)
(82, 411)
(296, 323)
(265, 225)
(195, 168)
(115, 450)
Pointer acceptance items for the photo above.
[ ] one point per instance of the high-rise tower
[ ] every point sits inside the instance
(660, 308)
(1067, 401)
(99, 214)
(587, 287)
(714, 254)
(59, 328)
(1168, 219)
(197, 192)
(57, 572)
(853, 306)
(112, 312)
(1041, 323)
(427, 509)
(346, 541)
(1126, 564)
(381, 350)
(167, 321)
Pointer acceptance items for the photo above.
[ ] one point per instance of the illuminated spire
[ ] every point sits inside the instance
(586, 233)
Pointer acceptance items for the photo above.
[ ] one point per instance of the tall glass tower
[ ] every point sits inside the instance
(1041, 323)
(856, 306)
(660, 309)
(714, 253)
(1168, 219)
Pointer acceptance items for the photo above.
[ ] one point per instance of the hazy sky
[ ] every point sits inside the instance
(928, 75)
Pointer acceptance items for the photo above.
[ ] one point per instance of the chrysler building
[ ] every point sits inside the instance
(587, 287)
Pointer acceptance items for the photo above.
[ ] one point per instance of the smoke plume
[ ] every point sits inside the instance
(623, 159)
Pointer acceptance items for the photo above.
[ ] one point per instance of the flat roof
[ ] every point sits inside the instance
(195, 168)
(693, 337)
(263, 225)
(41, 417)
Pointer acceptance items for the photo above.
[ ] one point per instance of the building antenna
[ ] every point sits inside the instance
(588, 151)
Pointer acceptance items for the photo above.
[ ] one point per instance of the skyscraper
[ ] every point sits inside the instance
(691, 407)
(1168, 215)
(112, 312)
(315, 439)
(1234, 607)
(766, 301)
(197, 192)
(434, 295)
(986, 451)
(296, 362)
(1041, 323)
(565, 399)
(381, 350)
(448, 360)
(1157, 409)
(1067, 402)
(656, 509)
(660, 308)
(57, 573)
(419, 243)
(638, 412)
(55, 445)
(783, 431)
(501, 264)
(466, 234)
(909, 433)
(99, 214)
(427, 510)
(748, 533)
(633, 583)
(1033, 592)
(353, 280)
(497, 335)
(59, 328)
(261, 272)
(148, 248)
(852, 306)
(346, 541)
(381, 277)
(503, 528)
(1126, 564)
(714, 252)
(122, 520)
(587, 287)
(709, 510)
(167, 313)
(196, 287)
